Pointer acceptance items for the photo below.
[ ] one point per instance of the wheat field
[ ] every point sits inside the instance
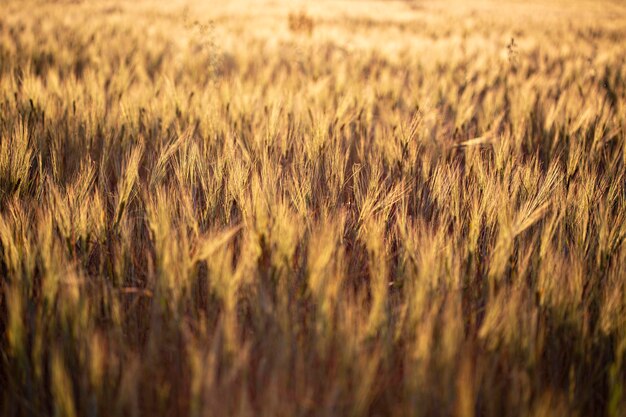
(331, 208)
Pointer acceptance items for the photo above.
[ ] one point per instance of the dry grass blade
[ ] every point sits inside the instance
(208, 245)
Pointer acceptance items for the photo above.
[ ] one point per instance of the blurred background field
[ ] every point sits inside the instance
(331, 208)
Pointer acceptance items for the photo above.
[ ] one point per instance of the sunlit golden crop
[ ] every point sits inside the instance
(330, 208)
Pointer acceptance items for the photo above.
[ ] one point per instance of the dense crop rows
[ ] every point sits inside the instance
(358, 208)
